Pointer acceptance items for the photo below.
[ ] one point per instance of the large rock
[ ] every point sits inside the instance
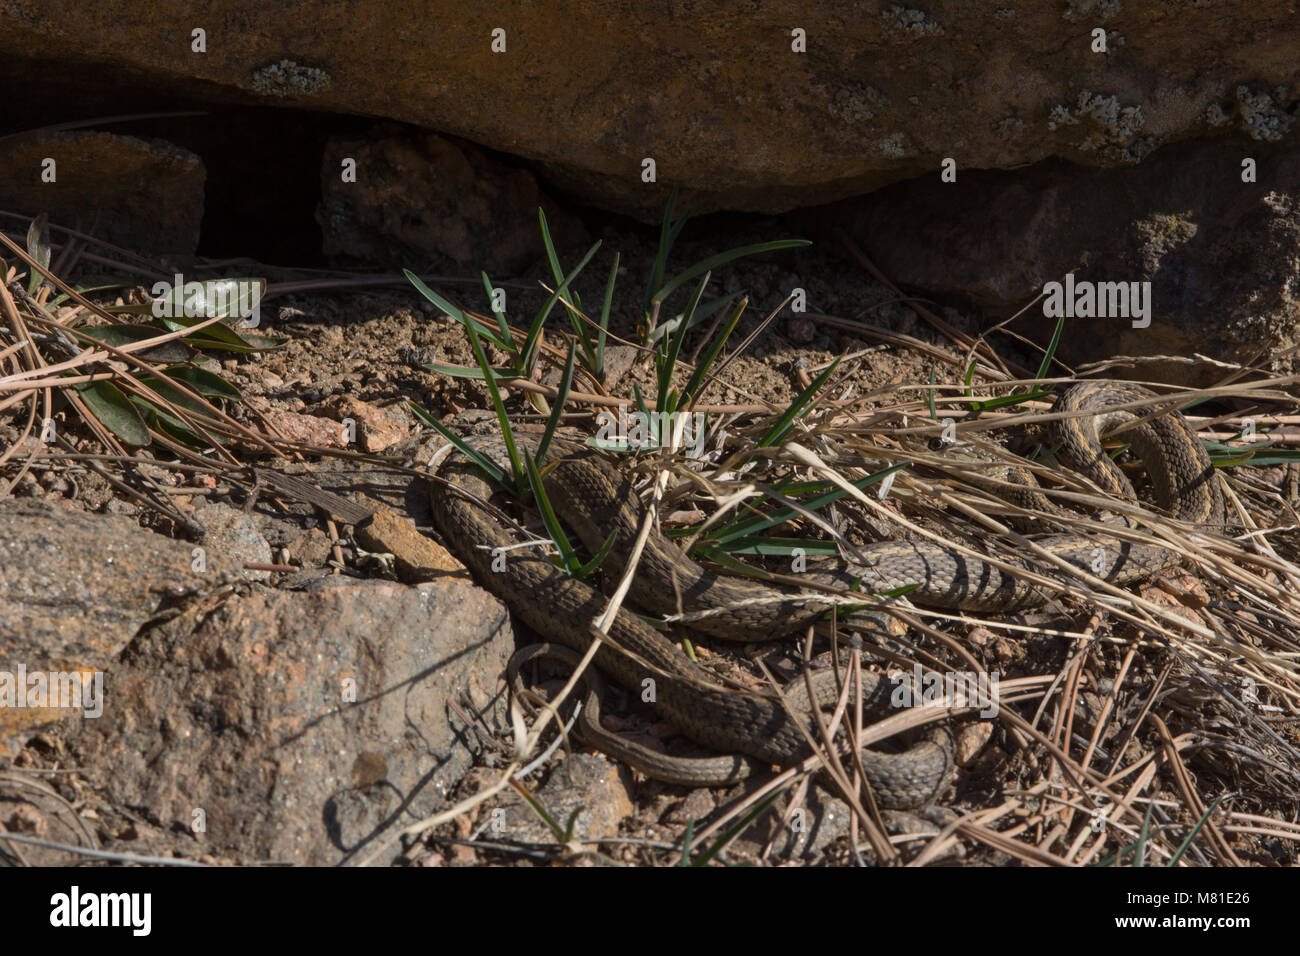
(714, 92)
(76, 588)
(1222, 255)
(299, 726)
(146, 195)
(418, 195)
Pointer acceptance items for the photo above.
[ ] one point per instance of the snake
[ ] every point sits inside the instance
(751, 727)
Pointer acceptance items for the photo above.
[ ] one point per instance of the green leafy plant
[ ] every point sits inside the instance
(521, 351)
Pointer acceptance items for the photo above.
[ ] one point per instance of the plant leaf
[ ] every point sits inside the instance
(722, 258)
(128, 334)
(561, 397)
(529, 351)
(464, 371)
(668, 360)
(38, 247)
(691, 392)
(203, 299)
(109, 404)
(204, 382)
(797, 407)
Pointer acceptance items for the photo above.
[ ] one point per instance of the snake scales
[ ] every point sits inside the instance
(595, 499)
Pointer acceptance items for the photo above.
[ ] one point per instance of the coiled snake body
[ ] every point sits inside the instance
(595, 499)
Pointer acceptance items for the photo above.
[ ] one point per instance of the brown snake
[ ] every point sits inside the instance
(595, 499)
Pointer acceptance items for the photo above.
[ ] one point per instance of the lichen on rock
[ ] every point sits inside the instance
(289, 78)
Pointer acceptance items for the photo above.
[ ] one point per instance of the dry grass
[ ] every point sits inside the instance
(1164, 732)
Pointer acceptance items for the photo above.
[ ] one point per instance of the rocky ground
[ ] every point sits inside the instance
(301, 714)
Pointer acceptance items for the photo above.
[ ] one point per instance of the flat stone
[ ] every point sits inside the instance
(377, 429)
(418, 557)
(308, 429)
(75, 587)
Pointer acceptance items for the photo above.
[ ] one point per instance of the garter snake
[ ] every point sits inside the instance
(595, 499)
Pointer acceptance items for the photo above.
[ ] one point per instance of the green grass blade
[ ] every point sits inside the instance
(668, 359)
(489, 467)
(599, 370)
(561, 397)
(797, 407)
(759, 523)
(711, 354)
(507, 433)
(1046, 364)
(506, 345)
(568, 556)
(599, 559)
(667, 236)
(737, 567)
(551, 256)
(561, 833)
(502, 325)
(1005, 401)
(572, 822)
(702, 314)
(741, 826)
(722, 258)
(529, 351)
(642, 407)
(1138, 849)
(1183, 847)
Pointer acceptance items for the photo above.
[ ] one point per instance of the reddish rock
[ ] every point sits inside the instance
(75, 589)
(376, 428)
(309, 429)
